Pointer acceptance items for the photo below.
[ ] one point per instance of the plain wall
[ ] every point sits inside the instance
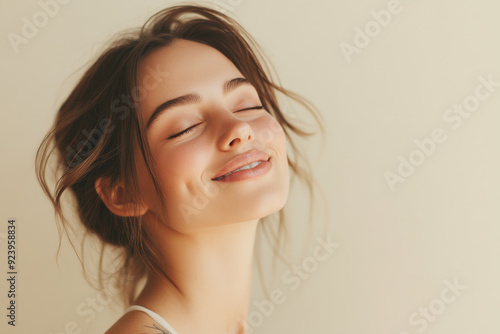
(399, 248)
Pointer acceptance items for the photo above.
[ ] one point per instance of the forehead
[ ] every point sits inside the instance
(180, 68)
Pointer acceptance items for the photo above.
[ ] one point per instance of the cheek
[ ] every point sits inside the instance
(270, 133)
(181, 169)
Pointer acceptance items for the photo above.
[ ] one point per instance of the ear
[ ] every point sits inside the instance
(114, 197)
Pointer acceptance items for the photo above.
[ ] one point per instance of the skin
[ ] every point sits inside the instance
(207, 238)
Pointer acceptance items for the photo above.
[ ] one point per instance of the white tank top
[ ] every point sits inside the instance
(154, 316)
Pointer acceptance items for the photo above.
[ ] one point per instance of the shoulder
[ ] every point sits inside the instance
(133, 322)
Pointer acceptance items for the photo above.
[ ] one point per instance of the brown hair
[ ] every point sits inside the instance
(96, 130)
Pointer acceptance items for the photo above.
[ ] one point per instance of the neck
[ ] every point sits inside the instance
(209, 279)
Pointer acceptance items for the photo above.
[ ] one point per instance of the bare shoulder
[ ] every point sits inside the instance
(135, 322)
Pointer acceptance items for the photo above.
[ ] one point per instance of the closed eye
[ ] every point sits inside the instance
(251, 108)
(183, 132)
(191, 128)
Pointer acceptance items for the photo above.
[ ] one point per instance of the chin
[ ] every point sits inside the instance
(242, 204)
(268, 203)
(249, 208)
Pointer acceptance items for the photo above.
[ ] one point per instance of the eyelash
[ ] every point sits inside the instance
(191, 128)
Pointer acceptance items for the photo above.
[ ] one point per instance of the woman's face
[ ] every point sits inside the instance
(212, 128)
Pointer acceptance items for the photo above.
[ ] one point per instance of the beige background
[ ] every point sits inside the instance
(397, 248)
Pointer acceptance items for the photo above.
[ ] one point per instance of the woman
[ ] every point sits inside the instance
(175, 148)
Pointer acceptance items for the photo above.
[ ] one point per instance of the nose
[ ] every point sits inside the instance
(234, 133)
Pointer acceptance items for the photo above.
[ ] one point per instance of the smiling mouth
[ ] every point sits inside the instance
(243, 166)
(249, 166)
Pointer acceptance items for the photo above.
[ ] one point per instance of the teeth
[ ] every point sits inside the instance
(252, 165)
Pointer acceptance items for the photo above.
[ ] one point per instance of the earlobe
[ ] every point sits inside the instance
(115, 199)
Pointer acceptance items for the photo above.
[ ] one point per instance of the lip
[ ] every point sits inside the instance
(243, 160)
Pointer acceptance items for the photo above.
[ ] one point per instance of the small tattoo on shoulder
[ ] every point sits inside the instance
(160, 329)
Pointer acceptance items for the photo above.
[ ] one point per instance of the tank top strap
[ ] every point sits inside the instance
(162, 322)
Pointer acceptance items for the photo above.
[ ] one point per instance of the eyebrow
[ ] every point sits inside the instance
(192, 98)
